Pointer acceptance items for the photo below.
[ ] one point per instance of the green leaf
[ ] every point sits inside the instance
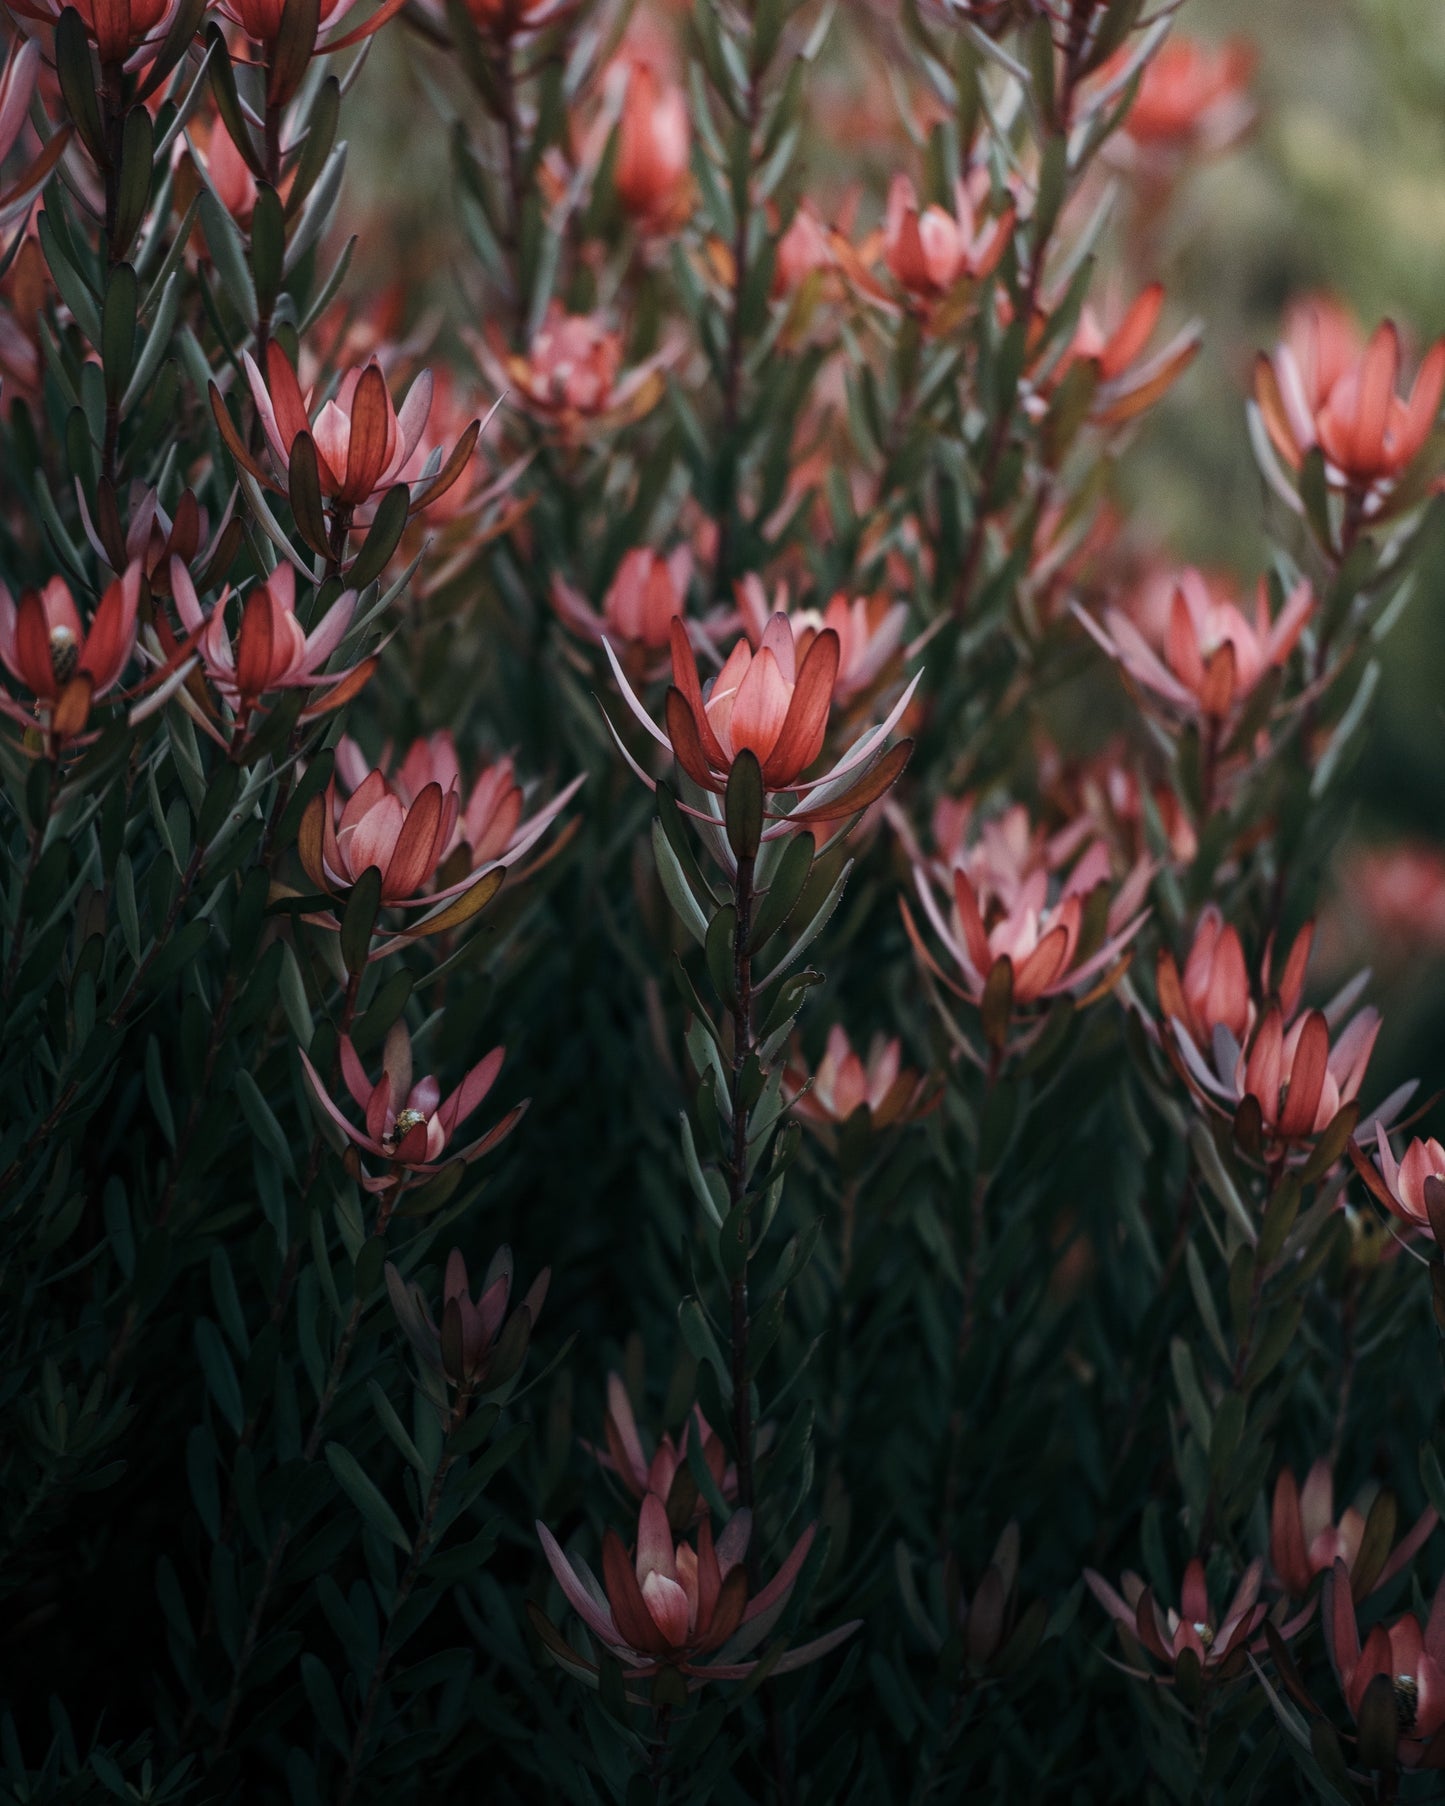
(358, 920)
(782, 894)
(743, 806)
(220, 1373)
(366, 1496)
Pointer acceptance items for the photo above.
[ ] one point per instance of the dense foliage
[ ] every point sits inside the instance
(667, 1130)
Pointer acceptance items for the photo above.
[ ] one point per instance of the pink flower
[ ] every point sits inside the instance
(1016, 936)
(642, 600)
(844, 1083)
(775, 705)
(1168, 1635)
(571, 378)
(1128, 382)
(1215, 989)
(271, 650)
(679, 1607)
(869, 628)
(927, 251)
(479, 1347)
(1412, 1189)
(1320, 388)
(666, 1473)
(66, 665)
(408, 1125)
(375, 828)
(1192, 95)
(1305, 1540)
(1409, 1660)
(1213, 656)
(653, 144)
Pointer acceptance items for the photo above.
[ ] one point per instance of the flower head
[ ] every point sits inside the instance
(666, 1473)
(1193, 1630)
(479, 1346)
(65, 664)
(929, 250)
(571, 378)
(869, 628)
(407, 1124)
(1192, 96)
(1400, 1661)
(647, 593)
(679, 1606)
(1411, 1189)
(844, 1083)
(1305, 1539)
(653, 145)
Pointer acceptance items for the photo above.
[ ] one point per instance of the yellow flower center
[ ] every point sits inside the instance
(64, 654)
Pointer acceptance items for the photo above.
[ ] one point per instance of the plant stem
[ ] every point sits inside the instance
(742, 1013)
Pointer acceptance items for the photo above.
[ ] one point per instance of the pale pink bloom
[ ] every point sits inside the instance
(653, 145)
(1213, 656)
(1406, 1187)
(571, 377)
(870, 632)
(626, 1457)
(1167, 1634)
(804, 248)
(1305, 1540)
(676, 1606)
(1400, 890)
(641, 601)
(843, 1082)
(407, 1123)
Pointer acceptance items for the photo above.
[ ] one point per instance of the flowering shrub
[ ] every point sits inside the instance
(673, 780)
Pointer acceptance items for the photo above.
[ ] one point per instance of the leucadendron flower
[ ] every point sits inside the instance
(480, 1344)
(774, 705)
(667, 1472)
(1194, 1635)
(843, 1083)
(65, 664)
(1412, 1189)
(679, 1607)
(1306, 1539)
(408, 1126)
(1393, 1683)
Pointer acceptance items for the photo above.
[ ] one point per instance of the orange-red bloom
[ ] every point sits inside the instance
(642, 600)
(843, 1082)
(653, 143)
(1191, 95)
(1320, 389)
(928, 250)
(869, 628)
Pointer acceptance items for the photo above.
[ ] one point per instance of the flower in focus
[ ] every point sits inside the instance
(155, 538)
(119, 29)
(1400, 1665)
(869, 628)
(407, 1123)
(1020, 931)
(666, 1474)
(66, 665)
(1212, 657)
(1412, 1189)
(653, 146)
(1319, 388)
(843, 1083)
(479, 1346)
(642, 600)
(676, 1606)
(571, 377)
(1214, 989)
(1305, 1540)
(271, 651)
(775, 705)
(489, 828)
(1194, 1631)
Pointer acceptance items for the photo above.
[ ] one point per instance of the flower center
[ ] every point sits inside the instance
(1407, 1699)
(405, 1123)
(64, 654)
(1205, 1636)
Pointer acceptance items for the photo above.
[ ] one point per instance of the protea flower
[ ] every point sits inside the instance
(271, 651)
(155, 537)
(65, 665)
(774, 705)
(1019, 945)
(647, 593)
(408, 1125)
(930, 250)
(358, 444)
(1412, 1189)
(1192, 97)
(571, 378)
(1305, 1540)
(653, 147)
(1213, 657)
(666, 1474)
(843, 1083)
(1318, 389)
(479, 1346)
(676, 1607)
(1219, 1648)
(1214, 990)
(869, 628)
(1127, 382)
(1399, 1663)
(490, 827)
